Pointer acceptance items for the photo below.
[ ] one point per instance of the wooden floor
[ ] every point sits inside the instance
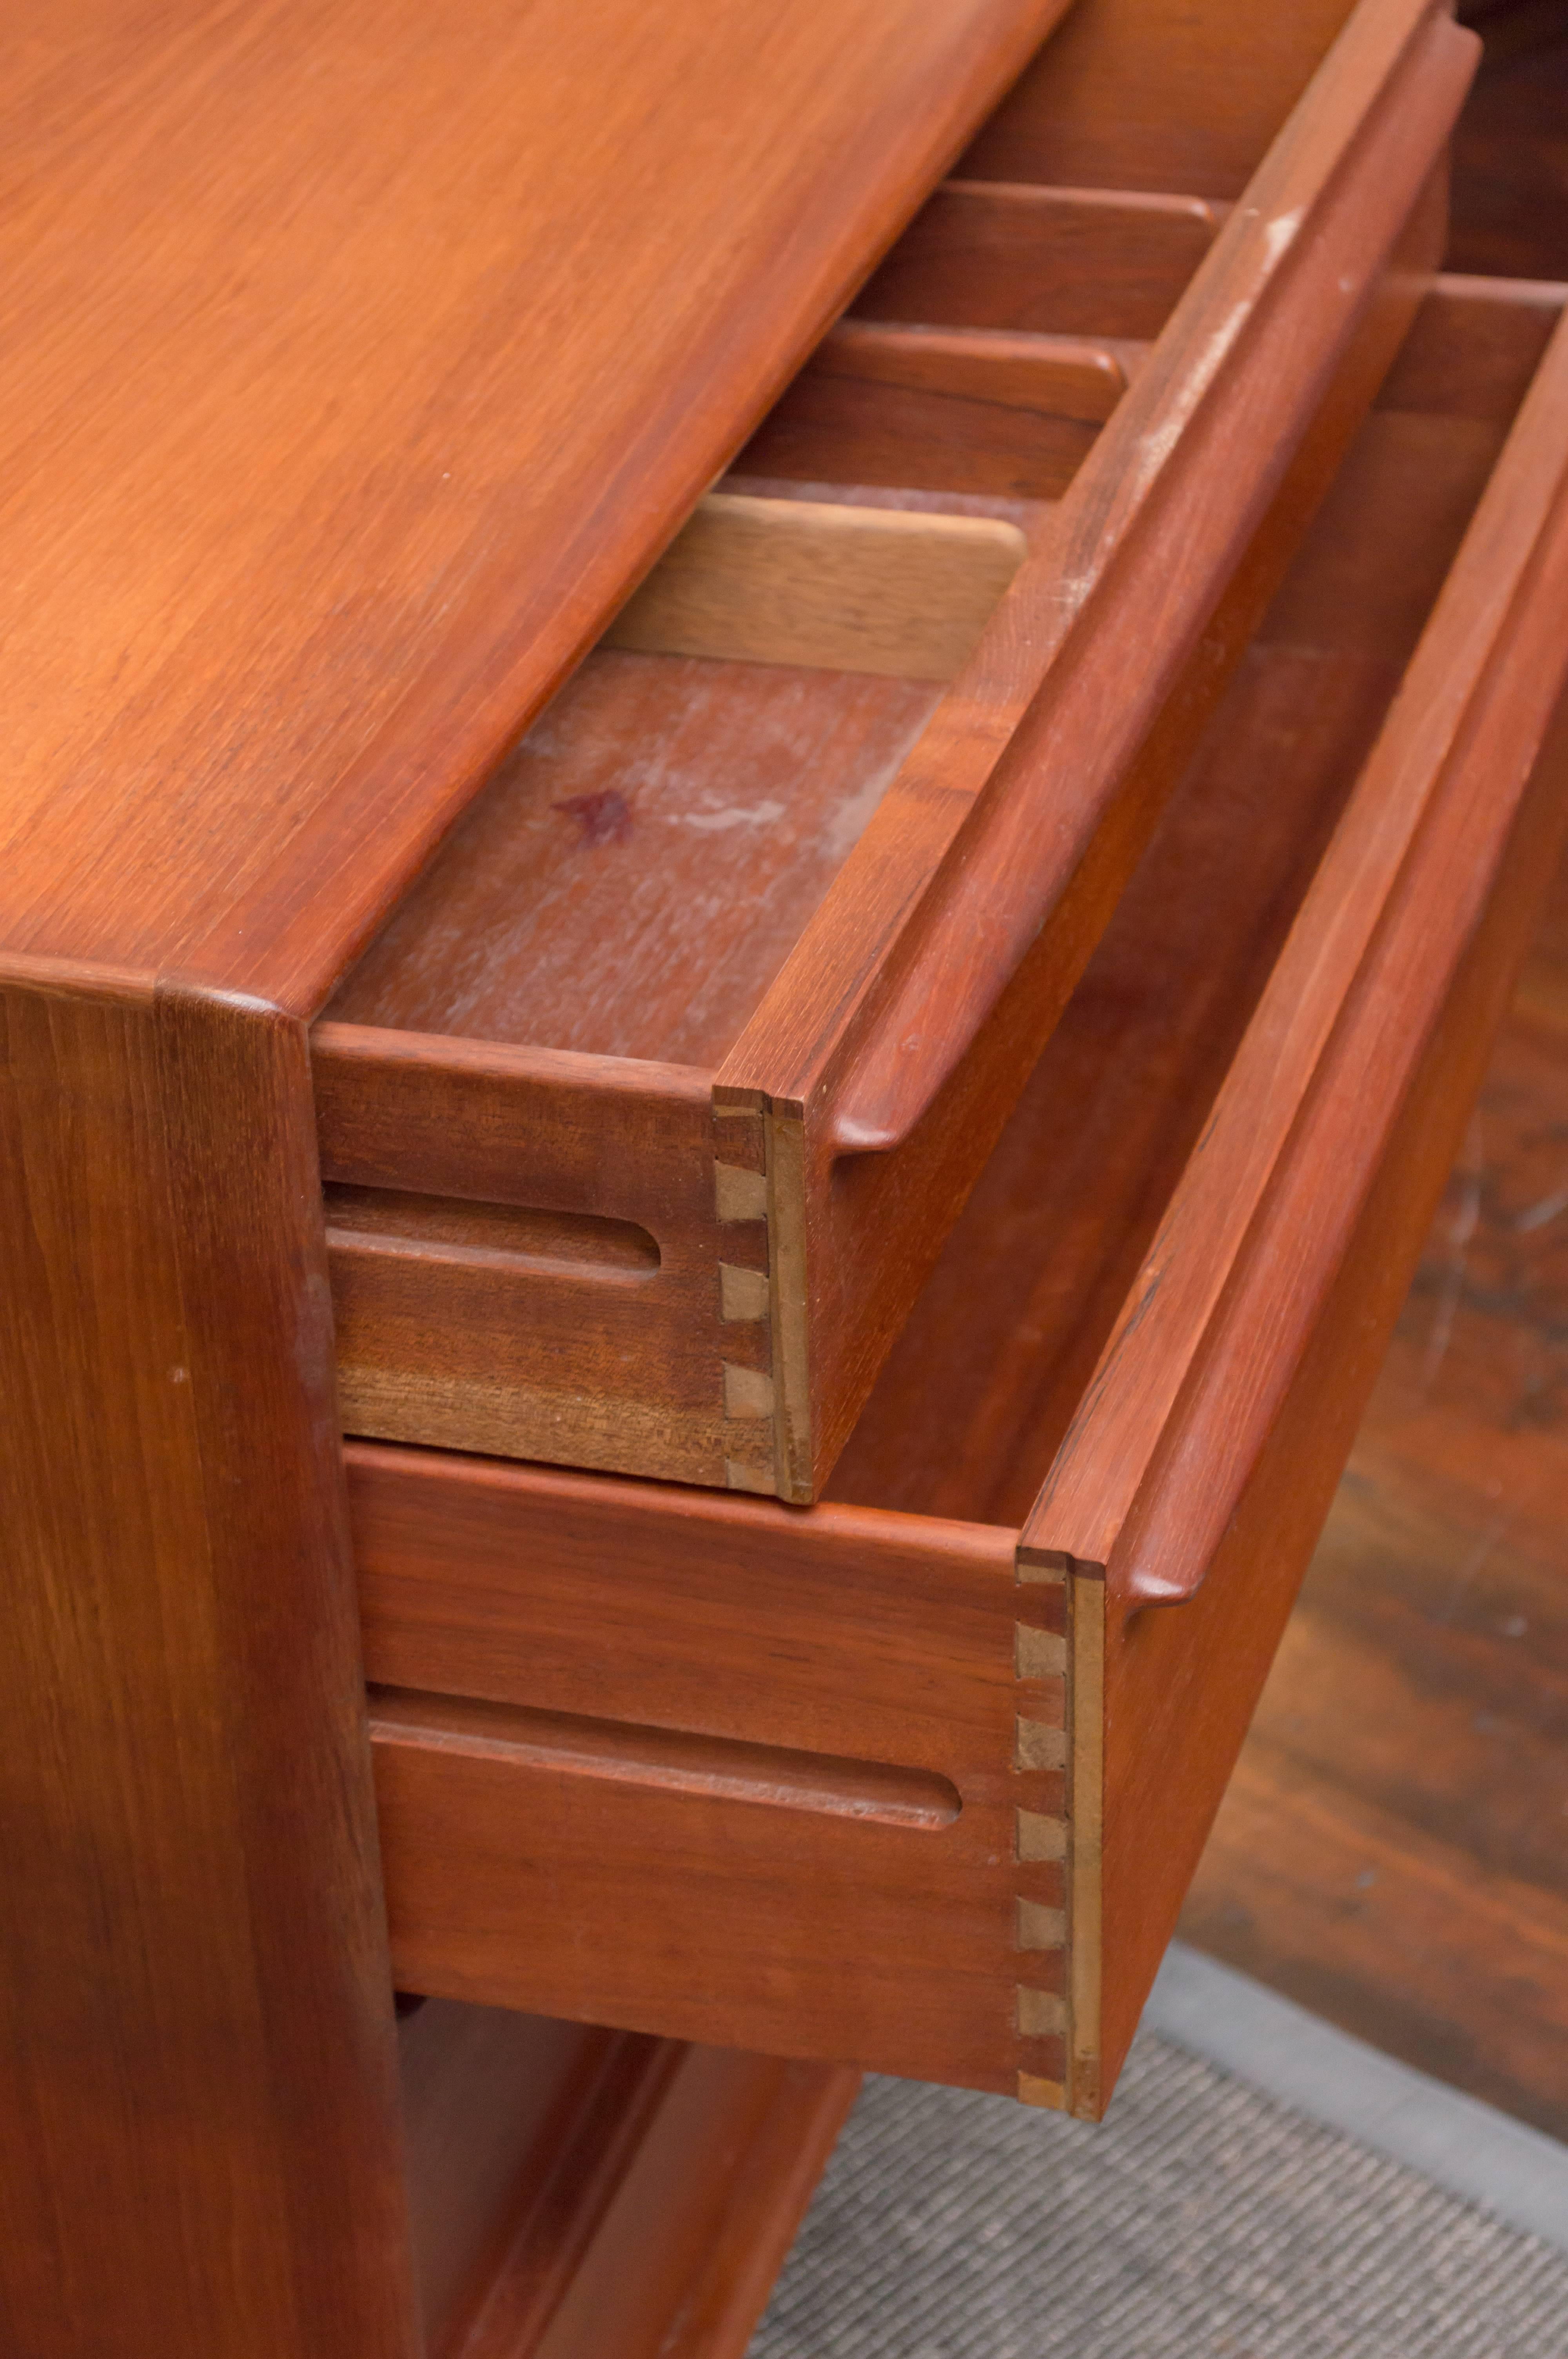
(1393, 1852)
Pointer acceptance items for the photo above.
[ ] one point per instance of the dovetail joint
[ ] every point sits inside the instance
(739, 1195)
(745, 1301)
(1039, 1653)
(1040, 1835)
(748, 1392)
(743, 1293)
(1040, 1927)
(1032, 2090)
(1041, 2014)
(1038, 1745)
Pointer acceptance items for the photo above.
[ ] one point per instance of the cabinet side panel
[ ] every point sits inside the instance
(197, 2066)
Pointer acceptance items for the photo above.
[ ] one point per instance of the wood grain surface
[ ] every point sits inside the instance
(1149, 1035)
(897, 954)
(1024, 255)
(900, 592)
(780, 1808)
(1150, 1030)
(344, 417)
(857, 892)
(577, 2190)
(750, 1744)
(1389, 1852)
(1162, 94)
(1474, 706)
(664, 805)
(858, 906)
(360, 362)
(874, 1220)
(198, 2070)
(527, 1253)
(702, 2220)
(403, 402)
(1277, 1522)
(1022, 1298)
(974, 410)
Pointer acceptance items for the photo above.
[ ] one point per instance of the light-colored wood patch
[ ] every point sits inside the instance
(1032, 2090)
(739, 1195)
(1085, 1813)
(1041, 2014)
(1040, 1927)
(791, 1340)
(1039, 1746)
(748, 1392)
(1039, 1653)
(740, 1476)
(1040, 1837)
(743, 1293)
(1039, 1576)
(605, 1431)
(1041, 1841)
(896, 590)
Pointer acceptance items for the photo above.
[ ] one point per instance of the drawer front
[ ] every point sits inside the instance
(1190, 1490)
(923, 1793)
(663, 1759)
(882, 1064)
(1100, 418)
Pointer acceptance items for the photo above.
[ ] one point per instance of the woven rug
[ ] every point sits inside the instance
(1202, 2219)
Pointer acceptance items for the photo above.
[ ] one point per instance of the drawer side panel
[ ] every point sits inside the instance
(683, 1762)
(655, 1365)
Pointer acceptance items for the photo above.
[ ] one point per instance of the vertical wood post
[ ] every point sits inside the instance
(200, 2157)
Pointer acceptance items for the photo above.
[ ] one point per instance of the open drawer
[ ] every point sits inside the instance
(916, 1777)
(646, 1116)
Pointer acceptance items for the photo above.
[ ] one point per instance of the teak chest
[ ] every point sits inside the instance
(771, 779)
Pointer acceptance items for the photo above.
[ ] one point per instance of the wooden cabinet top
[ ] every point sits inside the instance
(358, 360)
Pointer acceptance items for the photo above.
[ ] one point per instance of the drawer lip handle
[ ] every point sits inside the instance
(1003, 802)
(1187, 1388)
(410, 1224)
(676, 1761)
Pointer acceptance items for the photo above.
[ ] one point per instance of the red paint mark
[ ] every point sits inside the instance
(605, 818)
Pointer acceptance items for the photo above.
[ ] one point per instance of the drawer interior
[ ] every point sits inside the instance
(634, 877)
(793, 876)
(1039, 1264)
(637, 873)
(1168, 95)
